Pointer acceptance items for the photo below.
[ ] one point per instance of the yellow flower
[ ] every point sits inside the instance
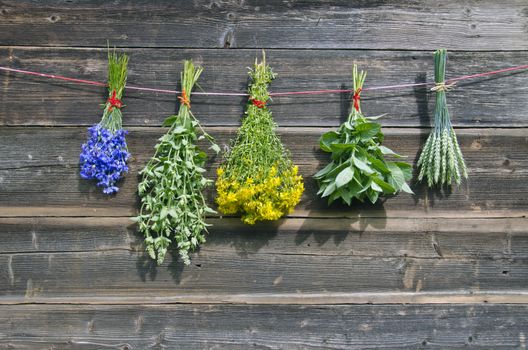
(260, 196)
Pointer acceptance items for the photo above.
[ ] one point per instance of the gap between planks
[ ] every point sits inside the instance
(252, 49)
(83, 212)
(513, 297)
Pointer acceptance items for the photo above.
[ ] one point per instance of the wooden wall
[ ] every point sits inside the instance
(436, 270)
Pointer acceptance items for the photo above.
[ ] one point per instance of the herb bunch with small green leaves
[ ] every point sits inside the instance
(358, 169)
(173, 207)
(441, 161)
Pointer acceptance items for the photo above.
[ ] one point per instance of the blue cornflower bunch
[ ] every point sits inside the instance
(104, 155)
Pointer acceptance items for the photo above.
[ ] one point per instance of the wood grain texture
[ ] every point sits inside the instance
(82, 258)
(482, 25)
(433, 271)
(39, 174)
(498, 101)
(496, 327)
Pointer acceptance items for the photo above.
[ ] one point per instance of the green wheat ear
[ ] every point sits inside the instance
(441, 161)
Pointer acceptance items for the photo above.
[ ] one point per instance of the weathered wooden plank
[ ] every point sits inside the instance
(307, 261)
(39, 174)
(482, 25)
(84, 258)
(129, 274)
(293, 298)
(494, 327)
(505, 238)
(37, 101)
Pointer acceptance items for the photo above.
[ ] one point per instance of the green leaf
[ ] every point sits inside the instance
(354, 188)
(376, 116)
(346, 195)
(406, 188)
(348, 126)
(326, 139)
(324, 171)
(367, 131)
(210, 210)
(344, 177)
(331, 188)
(215, 148)
(322, 188)
(169, 121)
(375, 186)
(387, 188)
(365, 187)
(372, 196)
(201, 155)
(378, 164)
(387, 151)
(396, 174)
(406, 169)
(338, 169)
(179, 130)
(172, 212)
(334, 196)
(361, 165)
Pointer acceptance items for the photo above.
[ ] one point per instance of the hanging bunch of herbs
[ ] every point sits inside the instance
(258, 179)
(105, 154)
(173, 207)
(358, 168)
(441, 161)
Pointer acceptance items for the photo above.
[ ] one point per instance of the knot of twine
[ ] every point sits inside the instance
(443, 86)
(114, 101)
(258, 103)
(356, 98)
(184, 99)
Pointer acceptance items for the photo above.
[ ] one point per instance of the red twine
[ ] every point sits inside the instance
(114, 101)
(356, 99)
(184, 99)
(286, 93)
(258, 103)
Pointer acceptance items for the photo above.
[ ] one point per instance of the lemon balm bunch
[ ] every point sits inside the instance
(258, 180)
(359, 169)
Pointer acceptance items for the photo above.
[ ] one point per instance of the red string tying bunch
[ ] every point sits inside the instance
(258, 103)
(356, 98)
(114, 102)
(184, 99)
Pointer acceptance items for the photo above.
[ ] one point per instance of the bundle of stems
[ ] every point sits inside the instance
(441, 161)
(173, 207)
(117, 77)
(358, 168)
(258, 178)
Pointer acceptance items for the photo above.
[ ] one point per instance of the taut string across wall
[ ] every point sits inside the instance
(285, 93)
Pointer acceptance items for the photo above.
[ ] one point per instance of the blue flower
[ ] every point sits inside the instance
(104, 156)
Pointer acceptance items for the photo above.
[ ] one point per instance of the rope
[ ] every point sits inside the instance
(447, 84)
